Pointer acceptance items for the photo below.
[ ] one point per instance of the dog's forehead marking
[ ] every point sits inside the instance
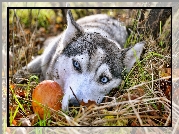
(96, 60)
(103, 69)
(89, 43)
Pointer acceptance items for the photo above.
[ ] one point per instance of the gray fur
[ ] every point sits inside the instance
(87, 57)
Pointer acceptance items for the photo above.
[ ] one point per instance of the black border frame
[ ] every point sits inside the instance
(8, 8)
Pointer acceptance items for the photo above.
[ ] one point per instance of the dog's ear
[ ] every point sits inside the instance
(73, 30)
(132, 55)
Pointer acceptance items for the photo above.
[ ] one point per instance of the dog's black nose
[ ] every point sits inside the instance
(73, 103)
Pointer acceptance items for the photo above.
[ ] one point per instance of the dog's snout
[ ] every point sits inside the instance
(73, 103)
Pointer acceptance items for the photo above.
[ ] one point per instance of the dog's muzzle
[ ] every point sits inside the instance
(73, 103)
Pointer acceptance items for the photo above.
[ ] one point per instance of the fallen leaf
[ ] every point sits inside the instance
(12, 86)
(134, 123)
(168, 92)
(165, 72)
(14, 122)
(21, 93)
(89, 103)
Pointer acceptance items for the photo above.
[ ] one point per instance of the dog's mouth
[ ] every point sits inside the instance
(69, 103)
(74, 102)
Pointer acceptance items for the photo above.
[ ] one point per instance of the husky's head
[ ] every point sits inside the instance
(89, 65)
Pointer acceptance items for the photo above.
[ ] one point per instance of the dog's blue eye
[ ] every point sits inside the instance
(104, 79)
(76, 65)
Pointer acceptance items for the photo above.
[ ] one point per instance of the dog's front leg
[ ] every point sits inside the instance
(33, 68)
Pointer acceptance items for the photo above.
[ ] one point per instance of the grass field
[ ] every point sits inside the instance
(143, 98)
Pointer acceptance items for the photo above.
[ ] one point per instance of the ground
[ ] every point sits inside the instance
(143, 99)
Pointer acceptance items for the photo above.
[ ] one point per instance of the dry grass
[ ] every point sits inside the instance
(144, 98)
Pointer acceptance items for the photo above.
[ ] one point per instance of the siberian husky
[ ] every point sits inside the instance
(88, 58)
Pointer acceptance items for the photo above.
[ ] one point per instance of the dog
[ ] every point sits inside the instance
(88, 59)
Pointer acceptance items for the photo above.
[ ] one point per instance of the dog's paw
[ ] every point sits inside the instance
(21, 76)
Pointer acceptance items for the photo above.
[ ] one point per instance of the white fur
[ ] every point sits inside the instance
(80, 82)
